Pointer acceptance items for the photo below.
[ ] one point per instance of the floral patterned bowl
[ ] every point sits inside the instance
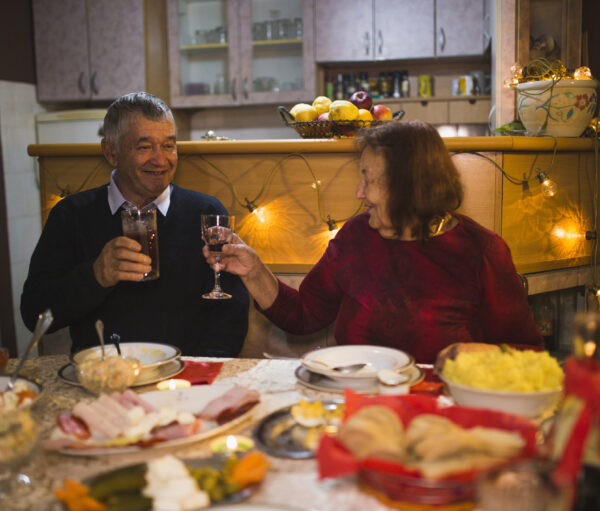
(566, 108)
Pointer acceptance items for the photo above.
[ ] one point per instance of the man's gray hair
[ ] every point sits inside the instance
(129, 105)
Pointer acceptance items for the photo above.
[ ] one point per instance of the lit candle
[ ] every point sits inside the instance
(173, 384)
(231, 443)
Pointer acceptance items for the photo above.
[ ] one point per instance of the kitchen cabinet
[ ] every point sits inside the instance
(360, 30)
(92, 49)
(240, 52)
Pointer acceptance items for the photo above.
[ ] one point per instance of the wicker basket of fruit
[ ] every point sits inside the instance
(327, 119)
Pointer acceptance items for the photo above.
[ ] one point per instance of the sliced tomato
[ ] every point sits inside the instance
(72, 425)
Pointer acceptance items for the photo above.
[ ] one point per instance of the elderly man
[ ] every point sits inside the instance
(84, 269)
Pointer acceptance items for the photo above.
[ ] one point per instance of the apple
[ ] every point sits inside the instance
(362, 100)
(323, 117)
(381, 113)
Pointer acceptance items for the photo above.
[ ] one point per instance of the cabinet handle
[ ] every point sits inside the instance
(442, 39)
(380, 42)
(246, 88)
(233, 92)
(94, 84)
(81, 83)
(367, 43)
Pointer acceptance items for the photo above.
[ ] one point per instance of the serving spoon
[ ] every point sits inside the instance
(43, 323)
(100, 331)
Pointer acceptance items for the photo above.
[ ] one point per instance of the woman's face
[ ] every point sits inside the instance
(373, 191)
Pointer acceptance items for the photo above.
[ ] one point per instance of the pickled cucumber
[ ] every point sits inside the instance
(128, 502)
(124, 480)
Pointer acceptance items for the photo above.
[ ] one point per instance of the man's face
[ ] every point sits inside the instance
(146, 160)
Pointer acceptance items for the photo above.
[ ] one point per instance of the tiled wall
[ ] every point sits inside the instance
(18, 107)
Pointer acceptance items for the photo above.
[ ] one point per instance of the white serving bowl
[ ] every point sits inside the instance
(150, 355)
(376, 358)
(526, 404)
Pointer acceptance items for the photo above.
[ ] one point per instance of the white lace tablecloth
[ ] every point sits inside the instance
(289, 482)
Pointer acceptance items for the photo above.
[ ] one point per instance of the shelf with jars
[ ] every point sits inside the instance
(240, 52)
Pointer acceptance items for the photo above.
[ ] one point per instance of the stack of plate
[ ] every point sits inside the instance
(317, 366)
(157, 361)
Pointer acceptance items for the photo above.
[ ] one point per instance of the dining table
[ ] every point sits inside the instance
(292, 484)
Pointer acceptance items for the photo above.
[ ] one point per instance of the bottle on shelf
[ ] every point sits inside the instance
(545, 318)
(363, 83)
(396, 92)
(374, 87)
(339, 90)
(384, 89)
(350, 85)
(329, 89)
(404, 85)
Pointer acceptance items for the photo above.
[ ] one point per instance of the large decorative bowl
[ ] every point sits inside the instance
(531, 405)
(568, 106)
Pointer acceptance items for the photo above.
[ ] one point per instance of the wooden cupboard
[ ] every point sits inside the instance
(88, 49)
(359, 30)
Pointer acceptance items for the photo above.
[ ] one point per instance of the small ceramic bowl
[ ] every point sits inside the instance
(114, 373)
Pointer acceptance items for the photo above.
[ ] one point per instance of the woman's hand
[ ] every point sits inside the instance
(239, 259)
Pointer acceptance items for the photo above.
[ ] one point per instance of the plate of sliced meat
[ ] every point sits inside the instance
(124, 422)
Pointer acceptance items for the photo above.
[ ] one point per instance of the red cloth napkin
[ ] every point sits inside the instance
(431, 384)
(200, 373)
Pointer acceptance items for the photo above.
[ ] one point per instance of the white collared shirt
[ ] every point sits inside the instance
(116, 199)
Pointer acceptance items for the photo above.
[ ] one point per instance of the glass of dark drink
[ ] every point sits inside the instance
(140, 225)
(217, 230)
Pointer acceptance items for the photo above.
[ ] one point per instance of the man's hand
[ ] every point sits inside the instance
(121, 259)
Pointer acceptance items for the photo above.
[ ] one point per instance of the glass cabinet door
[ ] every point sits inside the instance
(277, 63)
(204, 52)
(231, 52)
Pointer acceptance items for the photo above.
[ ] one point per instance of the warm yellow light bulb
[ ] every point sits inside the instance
(549, 187)
(583, 73)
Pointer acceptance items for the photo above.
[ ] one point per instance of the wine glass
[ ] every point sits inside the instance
(18, 437)
(217, 230)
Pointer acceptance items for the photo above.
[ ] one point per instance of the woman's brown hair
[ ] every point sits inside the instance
(422, 180)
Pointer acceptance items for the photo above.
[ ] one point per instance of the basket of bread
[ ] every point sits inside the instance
(412, 449)
(325, 118)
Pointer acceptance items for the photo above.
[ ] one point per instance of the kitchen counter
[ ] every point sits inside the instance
(295, 187)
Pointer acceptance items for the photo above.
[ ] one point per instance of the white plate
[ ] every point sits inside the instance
(150, 354)
(191, 399)
(375, 358)
(68, 374)
(319, 382)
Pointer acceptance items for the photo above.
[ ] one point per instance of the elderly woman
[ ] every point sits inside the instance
(409, 273)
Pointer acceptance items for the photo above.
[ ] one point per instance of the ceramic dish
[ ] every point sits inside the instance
(32, 385)
(68, 374)
(525, 404)
(375, 357)
(214, 462)
(151, 355)
(285, 444)
(191, 399)
(323, 383)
